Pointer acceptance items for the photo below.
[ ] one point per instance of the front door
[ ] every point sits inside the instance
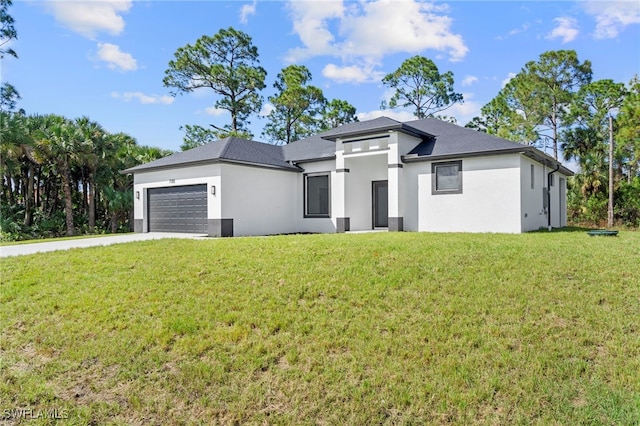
(380, 198)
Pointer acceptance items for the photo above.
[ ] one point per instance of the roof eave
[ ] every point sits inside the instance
(314, 159)
(132, 170)
(416, 158)
(400, 127)
(528, 151)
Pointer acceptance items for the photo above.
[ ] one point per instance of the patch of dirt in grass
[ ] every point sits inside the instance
(95, 383)
(578, 402)
(29, 359)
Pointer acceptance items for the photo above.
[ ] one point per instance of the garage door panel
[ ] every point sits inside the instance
(178, 209)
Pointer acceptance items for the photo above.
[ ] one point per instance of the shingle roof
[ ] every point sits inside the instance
(440, 140)
(310, 149)
(380, 124)
(450, 140)
(231, 149)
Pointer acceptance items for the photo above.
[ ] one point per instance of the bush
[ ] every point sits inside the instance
(627, 203)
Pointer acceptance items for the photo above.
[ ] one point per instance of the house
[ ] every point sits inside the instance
(423, 175)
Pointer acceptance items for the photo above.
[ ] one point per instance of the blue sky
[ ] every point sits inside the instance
(107, 59)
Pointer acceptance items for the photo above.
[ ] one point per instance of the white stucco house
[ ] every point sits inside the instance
(423, 175)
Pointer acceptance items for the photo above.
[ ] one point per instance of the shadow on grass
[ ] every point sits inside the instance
(566, 229)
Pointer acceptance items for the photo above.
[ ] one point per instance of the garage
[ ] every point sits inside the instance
(178, 209)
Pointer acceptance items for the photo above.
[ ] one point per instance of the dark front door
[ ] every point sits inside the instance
(380, 200)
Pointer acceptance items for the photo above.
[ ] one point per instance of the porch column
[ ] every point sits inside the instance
(339, 191)
(396, 186)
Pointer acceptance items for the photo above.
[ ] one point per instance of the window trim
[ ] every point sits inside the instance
(434, 178)
(305, 195)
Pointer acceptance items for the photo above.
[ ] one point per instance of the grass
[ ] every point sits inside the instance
(400, 328)
(49, 240)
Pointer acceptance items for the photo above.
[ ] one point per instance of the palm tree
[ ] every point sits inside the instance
(59, 143)
(93, 147)
(17, 151)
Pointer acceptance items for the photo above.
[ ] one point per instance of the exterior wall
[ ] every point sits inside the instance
(496, 196)
(377, 158)
(534, 200)
(411, 198)
(317, 224)
(363, 170)
(534, 213)
(489, 202)
(260, 201)
(207, 174)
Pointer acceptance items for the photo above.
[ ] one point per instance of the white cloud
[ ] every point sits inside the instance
(215, 112)
(115, 58)
(508, 79)
(612, 16)
(469, 80)
(247, 10)
(522, 29)
(372, 29)
(142, 98)
(90, 17)
(464, 112)
(398, 115)
(266, 109)
(351, 74)
(566, 30)
(311, 23)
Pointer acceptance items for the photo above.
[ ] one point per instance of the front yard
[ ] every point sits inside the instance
(398, 328)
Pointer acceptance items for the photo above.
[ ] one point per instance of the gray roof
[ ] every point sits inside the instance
(377, 125)
(450, 141)
(313, 148)
(440, 140)
(230, 149)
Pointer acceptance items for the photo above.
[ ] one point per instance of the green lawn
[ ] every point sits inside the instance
(398, 328)
(48, 240)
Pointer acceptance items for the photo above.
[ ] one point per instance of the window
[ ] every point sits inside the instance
(446, 178)
(316, 195)
(533, 176)
(552, 180)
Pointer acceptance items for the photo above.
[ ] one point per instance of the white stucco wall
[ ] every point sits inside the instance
(194, 175)
(534, 215)
(533, 200)
(317, 224)
(363, 170)
(489, 202)
(259, 200)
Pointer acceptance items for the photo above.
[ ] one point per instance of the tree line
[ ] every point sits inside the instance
(553, 102)
(228, 64)
(61, 176)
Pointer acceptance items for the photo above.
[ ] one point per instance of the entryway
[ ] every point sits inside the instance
(380, 198)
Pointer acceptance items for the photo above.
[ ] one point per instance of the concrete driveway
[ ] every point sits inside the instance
(32, 248)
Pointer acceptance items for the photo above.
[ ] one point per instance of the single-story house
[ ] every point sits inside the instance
(422, 175)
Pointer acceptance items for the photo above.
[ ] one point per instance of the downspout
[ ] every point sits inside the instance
(549, 195)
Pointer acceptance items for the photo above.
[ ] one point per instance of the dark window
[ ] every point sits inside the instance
(446, 178)
(317, 195)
